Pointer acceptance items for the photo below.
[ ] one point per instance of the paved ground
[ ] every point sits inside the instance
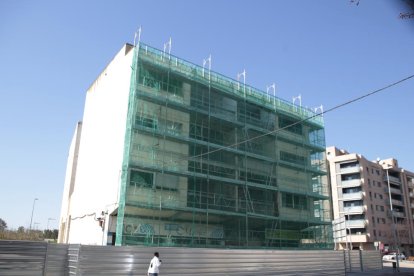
(406, 268)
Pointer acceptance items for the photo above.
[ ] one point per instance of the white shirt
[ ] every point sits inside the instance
(154, 265)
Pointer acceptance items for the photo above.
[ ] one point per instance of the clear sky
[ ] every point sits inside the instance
(329, 51)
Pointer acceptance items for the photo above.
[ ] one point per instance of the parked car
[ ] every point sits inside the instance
(391, 257)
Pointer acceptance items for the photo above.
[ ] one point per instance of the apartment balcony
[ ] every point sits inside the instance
(411, 194)
(352, 196)
(347, 170)
(358, 238)
(399, 214)
(358, 223)
(393, 179)
(410, 184)
(351, 183)
(412, 205)
(397, 202)
(393, 191)
(354, 210)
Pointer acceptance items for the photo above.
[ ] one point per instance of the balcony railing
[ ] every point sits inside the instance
(351, 183)
(395, 191)
(399, 214)
(393, 179)
(362, 237)
(358, 223)
(397, 202)
(355, 169)
(354, 209)
(357, 195)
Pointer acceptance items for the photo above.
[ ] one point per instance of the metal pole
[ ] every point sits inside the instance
(393, 222)
(31, 218)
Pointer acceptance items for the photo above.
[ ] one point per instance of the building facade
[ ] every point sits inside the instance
(369, 196)
(172, 154)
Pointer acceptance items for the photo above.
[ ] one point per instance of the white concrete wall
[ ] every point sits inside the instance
(69, 184)
(101, 150)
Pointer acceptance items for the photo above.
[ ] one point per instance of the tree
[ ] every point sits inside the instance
(20, 229)
(3, 225)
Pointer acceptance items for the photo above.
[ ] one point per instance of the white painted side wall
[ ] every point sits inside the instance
(69, 183)
(101, 151)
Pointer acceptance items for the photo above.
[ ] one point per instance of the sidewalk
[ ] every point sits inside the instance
(406, 268)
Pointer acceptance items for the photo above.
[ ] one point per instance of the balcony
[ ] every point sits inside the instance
(355, 169)
(397, 202)
(395, 191)
(399, 214)
(354, 210)
(393, 179)
(358, 223)
(351, 183)
(410, 184)
(349, 196)
(359, 238)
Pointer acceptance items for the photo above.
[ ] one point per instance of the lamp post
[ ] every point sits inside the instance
(393, 221)
(31, 218)
(49, 219)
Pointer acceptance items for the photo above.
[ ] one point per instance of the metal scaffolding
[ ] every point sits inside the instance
(212, 162)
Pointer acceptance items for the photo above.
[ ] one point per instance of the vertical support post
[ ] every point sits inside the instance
(361, 262)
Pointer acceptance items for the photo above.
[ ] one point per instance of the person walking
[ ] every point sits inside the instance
(155, 263)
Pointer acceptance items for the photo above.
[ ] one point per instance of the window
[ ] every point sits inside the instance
(369, 182)
(378, 172)
(379, 184)
(372, 208)
(378, 220)
(370, 195)
(145, 122)
(294, 201)
(382, 208)
(383, 220)
(375, 233)
(292, 158)
(290, 125)
(141, 179)
(373, 221)
(380, 196)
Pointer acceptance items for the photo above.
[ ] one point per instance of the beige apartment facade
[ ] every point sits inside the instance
(368, 195)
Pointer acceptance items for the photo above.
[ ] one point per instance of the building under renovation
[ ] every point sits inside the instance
(172, 154)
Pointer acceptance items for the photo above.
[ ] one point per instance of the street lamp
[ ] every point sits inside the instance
(31, 218)
(49, 219)
(392, 218)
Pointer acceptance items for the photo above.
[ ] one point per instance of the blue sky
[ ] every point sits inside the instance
(327, 51)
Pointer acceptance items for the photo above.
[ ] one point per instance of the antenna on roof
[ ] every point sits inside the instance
(137, 34)
(209, 65)
(273, 86)
(319, 108)
(167, 45)
(297, 98)
(244, 80)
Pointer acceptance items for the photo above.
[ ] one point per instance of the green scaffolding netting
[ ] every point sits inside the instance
(211, 162)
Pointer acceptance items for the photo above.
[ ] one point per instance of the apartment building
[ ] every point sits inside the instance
(170, 153)
(369, 195)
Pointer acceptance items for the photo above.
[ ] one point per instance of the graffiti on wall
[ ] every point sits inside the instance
(152, 227)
